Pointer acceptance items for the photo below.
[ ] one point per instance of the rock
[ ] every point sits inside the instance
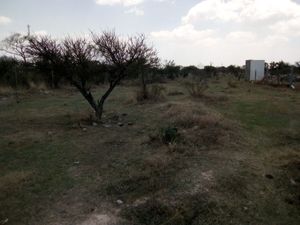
(84, 129)
(120, 124)
(107, 125)
(130, 123)
(119, 202)
(94, 124)
(269, 176)
(5, 221)
(293, 182)
(76, 163)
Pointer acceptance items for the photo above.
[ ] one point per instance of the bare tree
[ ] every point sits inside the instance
(15, 45)
(120, 54)
(72, 59)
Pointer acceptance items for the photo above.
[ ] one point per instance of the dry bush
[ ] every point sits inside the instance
(199, 126)
(154, 93)
(175, 93)
(5, 90)
(232, 84)
(196, 89)
(157, 92)
(41, 86)
(188, 115)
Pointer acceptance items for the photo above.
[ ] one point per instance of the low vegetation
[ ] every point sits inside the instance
(230, 157)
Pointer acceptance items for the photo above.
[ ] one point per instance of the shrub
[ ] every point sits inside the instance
(196, 89)
(154, 93)
(169, 134)
(232, 84)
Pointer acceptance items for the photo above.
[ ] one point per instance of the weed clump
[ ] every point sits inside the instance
(169, 134)
(232, 84)
(196, 89)
(154, 93)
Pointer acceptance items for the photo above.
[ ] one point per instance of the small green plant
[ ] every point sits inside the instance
(169, 134)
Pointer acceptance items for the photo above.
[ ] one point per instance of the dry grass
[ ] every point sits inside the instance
(5, 90)
(154, 93)
(199, 125)
(188, 115)
(90, 170)
(175, 93)
(40, 86)
(13, 180)
(232, 84)
(195, 88)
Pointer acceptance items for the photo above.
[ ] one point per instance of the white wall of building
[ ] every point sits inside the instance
(255, 70)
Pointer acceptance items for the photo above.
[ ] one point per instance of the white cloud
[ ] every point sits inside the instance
(287, 27)
(170, 1)
(187, 34)
(230, 31)
(4, 20)
(241, 37)
(136, 11)
(119, 2)
(242, 10)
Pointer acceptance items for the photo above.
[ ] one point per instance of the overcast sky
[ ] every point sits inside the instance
(198, 32)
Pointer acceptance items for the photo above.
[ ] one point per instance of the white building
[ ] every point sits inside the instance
(255, 70)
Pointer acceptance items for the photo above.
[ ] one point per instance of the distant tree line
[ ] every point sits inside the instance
(104, 58)
(14, 72)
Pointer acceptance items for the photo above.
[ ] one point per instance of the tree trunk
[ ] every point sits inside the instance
(99, 111)
(99, 106)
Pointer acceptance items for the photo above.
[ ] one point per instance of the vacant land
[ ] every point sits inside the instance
(235, 158)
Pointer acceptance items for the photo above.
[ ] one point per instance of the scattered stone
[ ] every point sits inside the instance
(130, 123)
(76, 163)
(245, 208)
(94, 124)
(5, 221)
(269, 176)
(119, 202)
(49, 132)
(120, 124)
(293, 182)
(107, 125)
(84, 129)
